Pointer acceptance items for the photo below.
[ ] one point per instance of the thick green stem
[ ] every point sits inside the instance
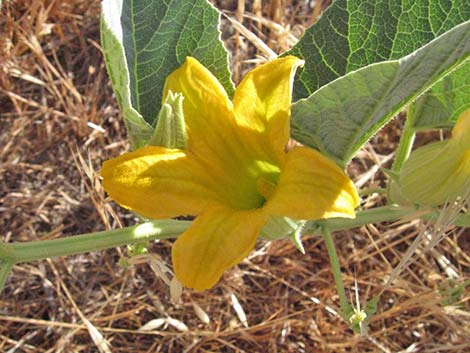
(335, 267)
(78, 244)
(375, 215)
(36, 250)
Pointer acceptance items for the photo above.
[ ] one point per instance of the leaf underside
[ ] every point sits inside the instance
(341, 116)
(442, 104)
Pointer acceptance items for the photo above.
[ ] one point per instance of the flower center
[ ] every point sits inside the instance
(265, 187)
(254, 185)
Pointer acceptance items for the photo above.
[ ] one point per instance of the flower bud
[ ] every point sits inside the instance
(170, 131)
(439, 172)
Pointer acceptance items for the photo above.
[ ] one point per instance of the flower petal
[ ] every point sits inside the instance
(217, 240)
(461, 131)
(213, 135)
(311, 187)
(158, 183)
(208, 111)
(217, 140)
(262, 105)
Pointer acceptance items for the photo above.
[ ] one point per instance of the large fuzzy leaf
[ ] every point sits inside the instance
(341, 116)
(442, 104)
(355, 33)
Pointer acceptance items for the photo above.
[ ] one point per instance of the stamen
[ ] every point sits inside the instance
(265, 187)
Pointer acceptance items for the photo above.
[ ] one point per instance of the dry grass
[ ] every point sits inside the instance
(59, 121)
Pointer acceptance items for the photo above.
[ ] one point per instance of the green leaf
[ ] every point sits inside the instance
(442, 104)
(138, 130)
(341, 116)
(144, 41)
(355, 33)
(158, 35)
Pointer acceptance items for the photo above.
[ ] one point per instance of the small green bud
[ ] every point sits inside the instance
(357, 318)
(170, 131)
(137, 249)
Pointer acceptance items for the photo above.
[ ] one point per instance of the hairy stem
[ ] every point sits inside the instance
(36, 250)
(375, 215)
(336, 269)
(78, 244)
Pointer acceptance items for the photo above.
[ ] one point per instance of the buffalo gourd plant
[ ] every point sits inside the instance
(202, 147)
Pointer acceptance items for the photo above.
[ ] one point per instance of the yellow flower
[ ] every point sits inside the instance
(234, 174)
(439, 172)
